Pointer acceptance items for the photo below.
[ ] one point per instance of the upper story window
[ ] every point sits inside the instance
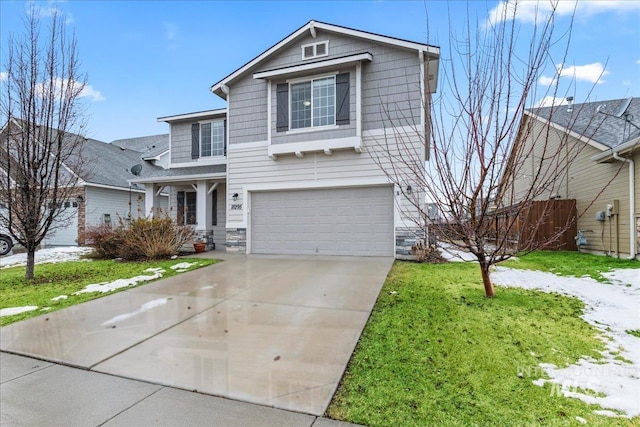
(315, 50)
(208, 139)
(313, 103)
(212, 139)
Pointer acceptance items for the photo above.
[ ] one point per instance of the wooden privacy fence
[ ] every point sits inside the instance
(536, 223)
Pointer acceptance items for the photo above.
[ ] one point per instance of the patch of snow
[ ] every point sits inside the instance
(610, 308)
(144, 307)
(45, 309)
(181, 267)
(204, 288)
(581, 420)
(453, 254)
(121, 283)
(49, 255)
(10, 311)
(58, 298)
(606, 413)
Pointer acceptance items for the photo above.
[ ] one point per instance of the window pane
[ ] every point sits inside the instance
(190, 208)
(218, 139)
(301, 105)
(324, 100)
(205, 140)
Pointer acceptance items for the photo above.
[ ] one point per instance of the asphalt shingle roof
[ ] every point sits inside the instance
(603, 128)
(109, 164)
(150, 146)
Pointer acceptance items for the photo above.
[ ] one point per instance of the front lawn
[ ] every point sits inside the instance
(54, 280)
(437, 352)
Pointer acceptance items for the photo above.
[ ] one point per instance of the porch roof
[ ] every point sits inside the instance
(186, 174)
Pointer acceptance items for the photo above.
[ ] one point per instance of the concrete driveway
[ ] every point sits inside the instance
(273, 330)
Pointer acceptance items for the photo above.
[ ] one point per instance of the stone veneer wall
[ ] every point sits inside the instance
(237, 240)
(406, 237)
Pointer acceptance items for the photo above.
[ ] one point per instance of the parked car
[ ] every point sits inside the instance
(6, 243)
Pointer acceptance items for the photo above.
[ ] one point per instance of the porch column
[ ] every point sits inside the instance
(151, 199)
(202, 204)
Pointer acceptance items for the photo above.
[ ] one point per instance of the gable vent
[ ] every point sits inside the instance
(315, 50)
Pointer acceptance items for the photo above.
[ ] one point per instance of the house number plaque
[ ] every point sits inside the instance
(237, 207)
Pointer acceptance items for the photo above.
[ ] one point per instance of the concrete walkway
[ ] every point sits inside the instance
(273, 330)
(38, 393)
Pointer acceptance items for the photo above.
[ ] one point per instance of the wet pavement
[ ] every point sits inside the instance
(271, 330)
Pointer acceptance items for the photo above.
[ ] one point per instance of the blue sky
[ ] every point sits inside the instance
(149, 59)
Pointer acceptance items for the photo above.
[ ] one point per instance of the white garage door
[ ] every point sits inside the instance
(345, 221)
(67, 233)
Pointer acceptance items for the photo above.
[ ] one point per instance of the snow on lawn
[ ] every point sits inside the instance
(49, 255)
(613, 310)
(10, 311)
(122, 283)
(181, 267)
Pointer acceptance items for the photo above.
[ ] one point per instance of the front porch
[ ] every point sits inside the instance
(196, 201)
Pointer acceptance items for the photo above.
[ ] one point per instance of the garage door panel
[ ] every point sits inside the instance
(345, 221)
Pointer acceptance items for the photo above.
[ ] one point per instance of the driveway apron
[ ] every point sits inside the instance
(273, 330)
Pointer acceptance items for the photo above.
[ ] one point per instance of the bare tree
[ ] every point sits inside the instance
(41, 142)
(478, 125)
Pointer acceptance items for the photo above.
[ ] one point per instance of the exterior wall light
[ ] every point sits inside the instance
(235, 196)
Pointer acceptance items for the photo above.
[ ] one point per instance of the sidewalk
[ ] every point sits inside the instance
(39, 393)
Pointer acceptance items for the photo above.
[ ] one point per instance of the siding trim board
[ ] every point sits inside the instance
(314, 66)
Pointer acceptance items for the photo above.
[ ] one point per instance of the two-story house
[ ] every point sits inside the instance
(289, 167)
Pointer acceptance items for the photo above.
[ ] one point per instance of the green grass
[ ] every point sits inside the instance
(571, 264)
(436, 352)
(66, 278)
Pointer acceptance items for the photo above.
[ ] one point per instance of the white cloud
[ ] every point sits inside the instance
(531, 11)
(638, 61)
(49, 11)
(3, 76)
(547, 81)
(550, 101)
(61, 85)
(170, 30)
(89, 92)
(592, 73)
(626, 82)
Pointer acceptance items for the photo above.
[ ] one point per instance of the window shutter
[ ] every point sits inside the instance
(282, 101)
(195, 140)
(342, 99)
(214, 207)
(225, 138)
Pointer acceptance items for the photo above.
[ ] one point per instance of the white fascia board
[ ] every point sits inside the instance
(351, 59)
(627, 147)
(178, 178)
(156, 157)
(432, 51)
(202, 161)
(353, 142)
(113, 187)
(570, 132)
(196, 115)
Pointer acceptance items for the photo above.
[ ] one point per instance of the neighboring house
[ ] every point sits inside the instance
(602, 170)
(287, 167)
(154, 148)
(103, 193)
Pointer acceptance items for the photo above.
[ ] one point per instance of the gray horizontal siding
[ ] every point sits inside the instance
(391, 82)
(102, 201)
(180, 142)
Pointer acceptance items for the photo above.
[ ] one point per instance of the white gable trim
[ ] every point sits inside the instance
(196, 115)
(314, 65)
(311, 26)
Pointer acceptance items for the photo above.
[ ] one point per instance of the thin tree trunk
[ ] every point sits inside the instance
(489, 292)
(29, 274)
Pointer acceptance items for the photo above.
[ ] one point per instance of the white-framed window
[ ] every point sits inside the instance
(186, 208)
(313, 103)
(212, 138)
(315, 50)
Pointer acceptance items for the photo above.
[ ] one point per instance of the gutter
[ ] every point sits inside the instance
(632, 203)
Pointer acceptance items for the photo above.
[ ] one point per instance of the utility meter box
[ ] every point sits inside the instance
(600, 216)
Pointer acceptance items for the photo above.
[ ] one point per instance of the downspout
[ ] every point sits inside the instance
(632, 203)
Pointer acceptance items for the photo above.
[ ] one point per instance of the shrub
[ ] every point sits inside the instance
(427, 253)
(155, 238)
(105, 240)
(143, 238)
